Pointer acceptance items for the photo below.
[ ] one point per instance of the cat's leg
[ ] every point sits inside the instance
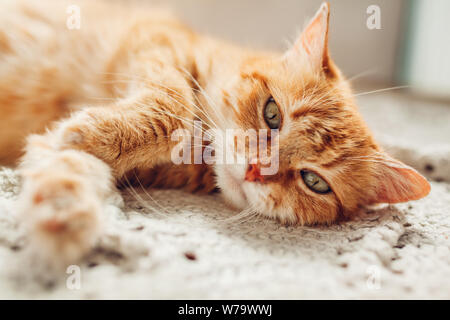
(69, 173)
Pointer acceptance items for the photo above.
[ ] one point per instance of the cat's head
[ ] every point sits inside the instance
(328, 162)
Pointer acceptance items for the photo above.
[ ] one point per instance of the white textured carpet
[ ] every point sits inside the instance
(188, 249)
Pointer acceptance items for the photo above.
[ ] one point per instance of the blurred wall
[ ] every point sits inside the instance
(270, 23)
(427, 67)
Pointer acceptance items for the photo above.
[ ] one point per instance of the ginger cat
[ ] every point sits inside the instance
(129, 77)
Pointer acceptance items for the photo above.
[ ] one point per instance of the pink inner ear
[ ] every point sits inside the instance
(313, 38)
(400, 183)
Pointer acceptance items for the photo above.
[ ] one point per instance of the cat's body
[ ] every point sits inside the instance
(136, 76)
(49, 70)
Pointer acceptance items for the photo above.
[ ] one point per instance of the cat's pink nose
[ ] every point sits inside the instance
(254, 173)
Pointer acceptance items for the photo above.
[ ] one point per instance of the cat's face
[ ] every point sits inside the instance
(328, 163)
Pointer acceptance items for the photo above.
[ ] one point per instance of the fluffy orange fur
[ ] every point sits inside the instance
(130, 77)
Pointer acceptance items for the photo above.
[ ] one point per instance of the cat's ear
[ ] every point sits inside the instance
(313, 41)
(396, 182)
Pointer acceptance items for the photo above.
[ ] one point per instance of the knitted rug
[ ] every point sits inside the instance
(170, 244)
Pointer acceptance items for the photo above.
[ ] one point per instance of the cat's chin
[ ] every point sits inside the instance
(231, 188)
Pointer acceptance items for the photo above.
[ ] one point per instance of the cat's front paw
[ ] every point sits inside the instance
(61, 215)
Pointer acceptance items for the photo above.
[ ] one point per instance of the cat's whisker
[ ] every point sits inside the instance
(242, 216)
(203, 92)
(361, 74)
(373, 155)
(380, 90)
(187, 121)
(202, 110)
(166, 112)
(190, 122)
(381, 160)
(237, 216)
(253, 213)
(146, 80)
(138, 198)
(208, 117)
(181, 104)
(164, 209)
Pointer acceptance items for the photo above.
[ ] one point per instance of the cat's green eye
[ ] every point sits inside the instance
(272, 114)
(315, 182)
